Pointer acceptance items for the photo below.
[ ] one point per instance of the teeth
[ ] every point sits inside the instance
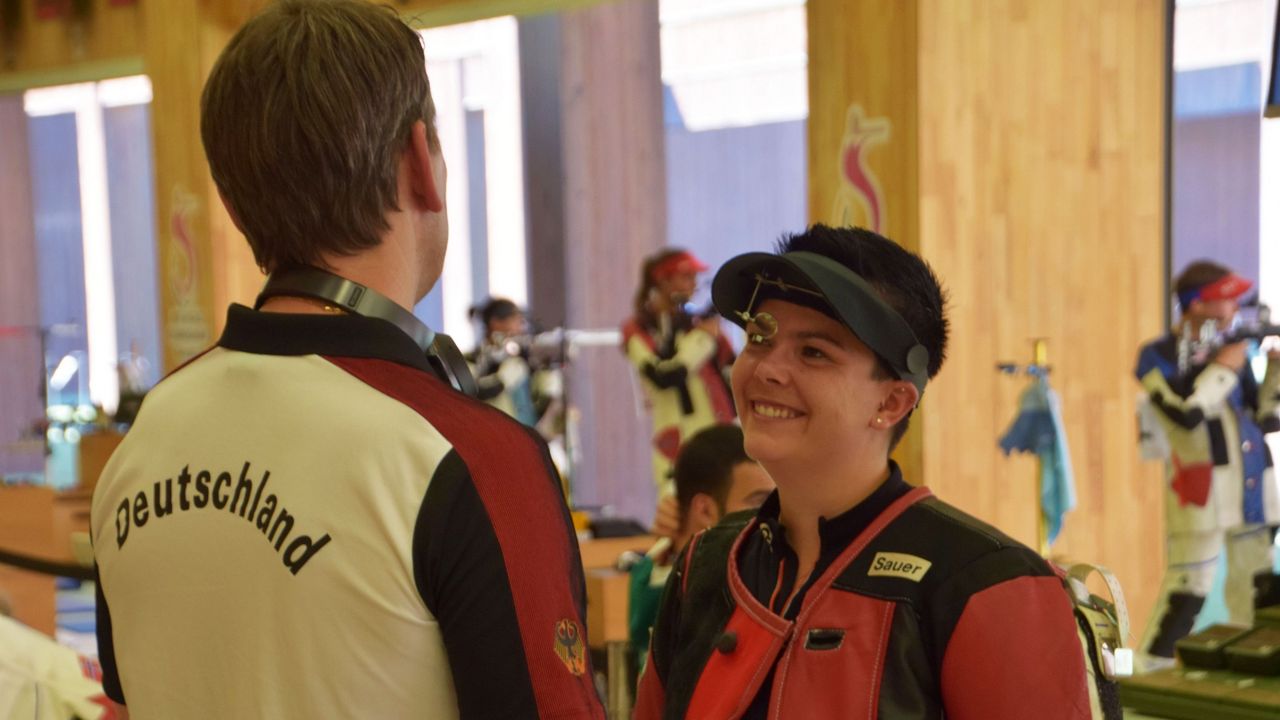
(772, 411)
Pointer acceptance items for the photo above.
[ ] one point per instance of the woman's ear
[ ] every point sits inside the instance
(900, 400)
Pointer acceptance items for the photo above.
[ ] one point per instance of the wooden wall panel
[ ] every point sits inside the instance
(204, 262)
(1041, 206)
(26, 528)
(433, 13)
(863, 131)
(60, 50)
(863, 53)
(422, 13)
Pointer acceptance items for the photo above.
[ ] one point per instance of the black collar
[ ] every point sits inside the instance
(838, 532)
(268, 333)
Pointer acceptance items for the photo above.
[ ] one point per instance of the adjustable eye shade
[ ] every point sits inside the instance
(803, 277)
(1226, 288)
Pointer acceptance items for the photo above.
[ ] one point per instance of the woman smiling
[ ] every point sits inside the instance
(851, 593)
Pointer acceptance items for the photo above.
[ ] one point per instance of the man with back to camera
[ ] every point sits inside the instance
(851, 593)
(1221, 491)
(305, 521)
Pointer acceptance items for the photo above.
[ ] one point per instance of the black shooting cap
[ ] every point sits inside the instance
(745, 280)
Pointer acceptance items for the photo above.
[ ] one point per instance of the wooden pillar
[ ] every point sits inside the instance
(204, 262)
(70, 45)
(173, 60)
(1018, 146)
(863, 133)
(172, 56)
(615, 215)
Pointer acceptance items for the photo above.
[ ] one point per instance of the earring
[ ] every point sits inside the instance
(879, 421)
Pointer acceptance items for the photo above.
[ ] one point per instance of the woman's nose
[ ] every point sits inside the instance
(772, 369)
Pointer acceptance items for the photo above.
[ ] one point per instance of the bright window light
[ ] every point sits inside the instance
(64, 372)
(95, 220)
(119, 92)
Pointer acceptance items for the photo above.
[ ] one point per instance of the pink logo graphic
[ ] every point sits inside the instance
(860, 200)
(182, 264)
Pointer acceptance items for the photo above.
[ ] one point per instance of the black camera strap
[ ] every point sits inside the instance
(310, 282)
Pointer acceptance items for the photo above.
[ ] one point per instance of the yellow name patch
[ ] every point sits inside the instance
(900, 565)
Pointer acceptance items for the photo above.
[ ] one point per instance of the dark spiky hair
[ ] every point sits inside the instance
(902, 278)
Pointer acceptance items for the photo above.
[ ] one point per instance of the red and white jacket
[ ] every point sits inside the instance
(925, 613)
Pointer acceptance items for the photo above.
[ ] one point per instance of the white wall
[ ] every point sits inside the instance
(1213, 33)
(475, 66)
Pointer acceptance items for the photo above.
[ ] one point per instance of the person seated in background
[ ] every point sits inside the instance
(713, 478)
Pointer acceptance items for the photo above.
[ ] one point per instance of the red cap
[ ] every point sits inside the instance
(681, 262)
(1228, 288)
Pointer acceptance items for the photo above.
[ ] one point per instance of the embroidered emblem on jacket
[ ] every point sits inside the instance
(901, 565)
(569, 646)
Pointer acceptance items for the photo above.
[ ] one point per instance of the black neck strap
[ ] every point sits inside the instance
(351, 296)
(317, 284)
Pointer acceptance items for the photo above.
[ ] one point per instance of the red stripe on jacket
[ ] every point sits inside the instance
(989, 674)
(651, 696)
(526, 509)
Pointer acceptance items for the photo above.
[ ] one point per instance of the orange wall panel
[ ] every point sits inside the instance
(1041, 205)
(1024, 159)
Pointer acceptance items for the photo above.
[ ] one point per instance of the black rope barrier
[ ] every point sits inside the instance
(45, 567)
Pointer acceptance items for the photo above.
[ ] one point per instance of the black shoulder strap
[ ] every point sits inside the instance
(351, 296)
(710, 549)
(706, 606)
(312, 282)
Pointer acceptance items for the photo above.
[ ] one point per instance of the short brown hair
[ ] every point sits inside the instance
(303, 118)
(705, 465)
(1198, 274)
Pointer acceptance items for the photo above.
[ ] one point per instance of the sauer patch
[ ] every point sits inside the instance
(900, 565)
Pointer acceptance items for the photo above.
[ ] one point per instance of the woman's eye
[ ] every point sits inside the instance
(812, 352)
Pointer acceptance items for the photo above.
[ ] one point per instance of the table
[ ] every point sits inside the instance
(607, 599)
